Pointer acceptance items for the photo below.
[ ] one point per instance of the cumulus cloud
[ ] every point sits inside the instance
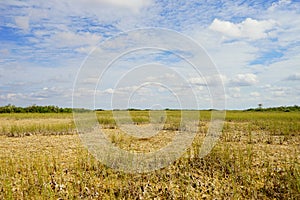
(244, 80)
(249, 28)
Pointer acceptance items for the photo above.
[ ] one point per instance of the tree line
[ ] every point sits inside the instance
(34, 109)
(280, 109)
(55, 109)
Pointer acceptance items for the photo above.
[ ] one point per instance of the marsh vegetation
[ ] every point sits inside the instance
(257, 157)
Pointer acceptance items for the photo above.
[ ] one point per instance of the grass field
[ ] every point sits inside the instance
(257, 157)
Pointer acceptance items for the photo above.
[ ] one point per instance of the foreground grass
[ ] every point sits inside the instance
(252, 160)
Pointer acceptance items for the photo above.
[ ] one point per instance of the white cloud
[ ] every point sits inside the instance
(109, 91)
(71, 39)
(207, 81)
(244, 80)
(249, 28)
(11, 96)
(277, 91)
(225, 27)
(278, 4)
(34, 97)
(227, 56)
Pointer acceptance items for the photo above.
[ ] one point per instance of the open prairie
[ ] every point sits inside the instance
(257, 157)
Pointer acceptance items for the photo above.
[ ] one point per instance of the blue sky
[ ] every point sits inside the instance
(255, 46)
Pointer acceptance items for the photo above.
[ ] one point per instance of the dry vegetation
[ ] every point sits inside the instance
(257, 157)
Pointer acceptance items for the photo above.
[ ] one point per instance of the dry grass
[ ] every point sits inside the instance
(18, 125)
(252, 160)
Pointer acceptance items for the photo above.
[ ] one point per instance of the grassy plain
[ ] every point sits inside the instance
(257, 157)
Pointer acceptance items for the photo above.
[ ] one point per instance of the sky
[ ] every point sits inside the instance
(46, 46)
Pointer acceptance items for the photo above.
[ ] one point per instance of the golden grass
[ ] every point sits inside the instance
(252, 160)
(18, 125)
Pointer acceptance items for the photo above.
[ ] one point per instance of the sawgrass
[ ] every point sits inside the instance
(257, 157)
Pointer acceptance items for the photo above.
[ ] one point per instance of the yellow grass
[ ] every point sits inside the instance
(257, 157)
